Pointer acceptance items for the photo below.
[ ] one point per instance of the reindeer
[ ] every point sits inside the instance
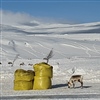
(30, 64)
(22, 63)
(78, 78)
(9, 62)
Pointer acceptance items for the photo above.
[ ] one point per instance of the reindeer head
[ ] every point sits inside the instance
(69, 84)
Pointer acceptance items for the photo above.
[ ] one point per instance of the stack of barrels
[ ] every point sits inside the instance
(39, 79)
(43, 75)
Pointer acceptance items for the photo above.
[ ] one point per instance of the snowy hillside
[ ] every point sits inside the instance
(36, 41)
(75, 46)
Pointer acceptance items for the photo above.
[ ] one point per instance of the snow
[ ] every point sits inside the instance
(72, 52)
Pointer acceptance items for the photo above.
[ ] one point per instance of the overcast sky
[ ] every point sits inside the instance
(79, 11)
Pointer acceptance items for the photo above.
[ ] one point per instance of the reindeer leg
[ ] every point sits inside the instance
(81, 84)
(73, 85)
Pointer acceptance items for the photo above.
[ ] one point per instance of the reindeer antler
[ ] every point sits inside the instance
(73, 70)
(14, 59)
(50, 55)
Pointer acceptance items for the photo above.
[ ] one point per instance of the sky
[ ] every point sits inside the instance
(76, 11)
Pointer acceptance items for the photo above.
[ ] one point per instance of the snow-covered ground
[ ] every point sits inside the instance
(80, 52)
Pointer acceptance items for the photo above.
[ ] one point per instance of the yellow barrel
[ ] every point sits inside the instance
(24, 75)
(42, 83)
(23, 85)
(43, 69)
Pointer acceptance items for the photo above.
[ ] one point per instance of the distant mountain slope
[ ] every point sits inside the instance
(29, 28)
(33, 42)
